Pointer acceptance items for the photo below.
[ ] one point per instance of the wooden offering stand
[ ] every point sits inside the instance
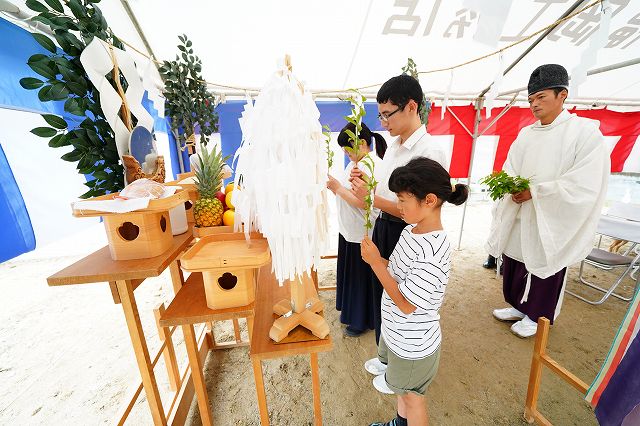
(302, 309)
(229, 264)
(139, 234)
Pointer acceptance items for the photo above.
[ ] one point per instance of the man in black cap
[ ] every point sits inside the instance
(551, 225)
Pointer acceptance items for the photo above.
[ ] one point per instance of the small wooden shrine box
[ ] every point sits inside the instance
(229, 266)
(139, 234)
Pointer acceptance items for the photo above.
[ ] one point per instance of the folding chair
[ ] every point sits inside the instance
(621, 222)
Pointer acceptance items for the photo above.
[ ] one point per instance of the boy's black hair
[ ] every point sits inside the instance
(399, 90)
(367, 135)
(422, 176)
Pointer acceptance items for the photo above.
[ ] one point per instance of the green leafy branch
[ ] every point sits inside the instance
(425, 107)
(327, 140)
(371, 186)
(62, 77)
(357, 113)
(188, 102)
(501, 184)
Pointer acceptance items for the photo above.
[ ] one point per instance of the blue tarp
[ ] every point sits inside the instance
(16, 232)
(331, 114)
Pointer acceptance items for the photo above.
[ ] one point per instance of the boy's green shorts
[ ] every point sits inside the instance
(408, 375)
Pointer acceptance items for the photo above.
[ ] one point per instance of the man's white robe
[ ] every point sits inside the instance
(568, 164)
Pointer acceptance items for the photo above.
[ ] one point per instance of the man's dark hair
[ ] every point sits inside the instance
(400, 90)
(558, 90)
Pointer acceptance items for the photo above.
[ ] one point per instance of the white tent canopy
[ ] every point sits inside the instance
(339, 45)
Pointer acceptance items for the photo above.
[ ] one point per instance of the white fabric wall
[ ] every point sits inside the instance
(48, 184)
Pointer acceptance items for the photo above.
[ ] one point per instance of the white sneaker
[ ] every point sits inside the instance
(524, 328)
(380, 383)
(508, 314)
(375, 367)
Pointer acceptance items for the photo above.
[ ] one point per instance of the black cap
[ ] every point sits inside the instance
(548, 76)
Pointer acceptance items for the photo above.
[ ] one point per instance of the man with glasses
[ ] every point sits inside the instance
(399, 101)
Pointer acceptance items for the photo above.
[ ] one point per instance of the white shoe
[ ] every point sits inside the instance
(375, 367)
(524, 328)
(380, 383)
(508, 314)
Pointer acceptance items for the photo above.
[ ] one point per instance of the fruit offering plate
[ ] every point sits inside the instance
(155, 205)
(226, 250)
(204, 231)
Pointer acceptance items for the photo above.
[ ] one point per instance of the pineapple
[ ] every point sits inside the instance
(208, 210)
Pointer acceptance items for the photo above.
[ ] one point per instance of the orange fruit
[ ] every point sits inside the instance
(228, 217)
(230, 187)
(227, 199)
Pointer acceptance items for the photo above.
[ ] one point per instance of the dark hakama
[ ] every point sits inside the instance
(543, 293)
(386, 234)
(354, 293)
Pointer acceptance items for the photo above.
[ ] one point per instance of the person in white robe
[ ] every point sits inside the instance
(550, 226)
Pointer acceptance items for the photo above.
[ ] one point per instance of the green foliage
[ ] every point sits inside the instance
(357, 112)
(327, 140)
(75, 23)
(188, 102)
(208, 180)
(501, 184)
(371, 186)
(425, 108)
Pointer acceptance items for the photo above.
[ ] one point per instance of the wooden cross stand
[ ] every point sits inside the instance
(302, 309)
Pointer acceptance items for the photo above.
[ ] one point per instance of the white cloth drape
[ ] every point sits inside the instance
(282, 172)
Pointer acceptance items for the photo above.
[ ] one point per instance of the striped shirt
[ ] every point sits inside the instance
(420, 264)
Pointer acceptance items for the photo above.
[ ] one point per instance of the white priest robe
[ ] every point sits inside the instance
(568, 164)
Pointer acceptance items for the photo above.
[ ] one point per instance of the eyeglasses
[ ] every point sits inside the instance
(385, 116)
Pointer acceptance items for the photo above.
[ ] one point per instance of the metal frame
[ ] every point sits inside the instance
(633, 263)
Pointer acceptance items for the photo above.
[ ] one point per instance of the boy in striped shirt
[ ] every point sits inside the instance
(414, 280)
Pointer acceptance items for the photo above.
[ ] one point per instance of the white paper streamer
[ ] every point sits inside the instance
(492, 94)
(281, 170)
(445, 101)
(492, 19)
(96, 60)
(152, 83)
(589, 55)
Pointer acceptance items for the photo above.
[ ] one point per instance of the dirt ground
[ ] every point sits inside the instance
(65, 354)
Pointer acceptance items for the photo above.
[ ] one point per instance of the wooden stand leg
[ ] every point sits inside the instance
(315, 379)
(125, 291)
(262, 397)
(114, 292)
(250, 327)
(169, 352)
(196, 374)
(236, 330)
(539, 349)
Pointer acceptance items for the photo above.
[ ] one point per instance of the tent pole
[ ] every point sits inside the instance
(476, 124)
(542, 36)
(136, 25)
(506, 108)
(179, 149)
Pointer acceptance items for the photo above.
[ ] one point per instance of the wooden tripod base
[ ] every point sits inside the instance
(302, 310)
